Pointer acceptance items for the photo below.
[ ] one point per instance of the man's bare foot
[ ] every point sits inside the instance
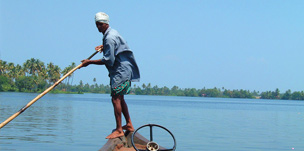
(128, 127)
(115, 134)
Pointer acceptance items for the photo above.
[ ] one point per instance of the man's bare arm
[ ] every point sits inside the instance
(87, 62)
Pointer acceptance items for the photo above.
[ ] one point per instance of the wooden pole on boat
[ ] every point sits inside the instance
(43, 93)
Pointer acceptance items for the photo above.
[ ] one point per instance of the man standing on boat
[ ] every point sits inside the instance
(120, 62)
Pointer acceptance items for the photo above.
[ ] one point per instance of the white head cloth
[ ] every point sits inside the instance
(102, 17)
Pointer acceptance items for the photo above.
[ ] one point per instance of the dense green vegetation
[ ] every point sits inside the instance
(35, 76)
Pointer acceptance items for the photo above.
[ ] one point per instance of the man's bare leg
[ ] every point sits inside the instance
(125, 111)
(116, 101)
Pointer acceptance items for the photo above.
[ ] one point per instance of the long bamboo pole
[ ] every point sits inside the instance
(43, 93)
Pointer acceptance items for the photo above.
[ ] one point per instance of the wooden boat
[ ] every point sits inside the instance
(125, 143)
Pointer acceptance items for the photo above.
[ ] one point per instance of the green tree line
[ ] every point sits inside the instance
(35, 76)
(32, 76)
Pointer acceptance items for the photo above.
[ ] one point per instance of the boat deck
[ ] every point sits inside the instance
(124, 143)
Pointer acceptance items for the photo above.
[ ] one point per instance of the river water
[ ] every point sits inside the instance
(64, 122)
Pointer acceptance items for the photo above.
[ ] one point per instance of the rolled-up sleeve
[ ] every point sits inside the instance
(108, 52)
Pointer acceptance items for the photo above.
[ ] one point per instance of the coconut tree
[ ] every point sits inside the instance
(41, 71)
(72, 66)
(19, 71)
(56, 73)
(39, 67)
(66, 70)
(29, 66)
(12, 70)
(49, 69)
(53, 72)
(35, 68)
(3, 67)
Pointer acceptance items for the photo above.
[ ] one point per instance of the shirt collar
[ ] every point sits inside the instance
(107, 31)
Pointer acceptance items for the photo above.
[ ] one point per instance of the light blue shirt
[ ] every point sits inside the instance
(119, 59)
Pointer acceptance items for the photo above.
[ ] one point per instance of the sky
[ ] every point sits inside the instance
(235, 44)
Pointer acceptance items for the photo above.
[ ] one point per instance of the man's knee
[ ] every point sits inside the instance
(117, 99)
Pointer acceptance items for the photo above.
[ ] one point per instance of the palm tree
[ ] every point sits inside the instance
(39, 67)
(30, 66)
(43, 73)
(12, 70)
(49, 69)
(27, 66)
(66, 70)
(19, 71)
(53, 72)
(56, 73)
(72, 66)
(3, 67)
(35, 68)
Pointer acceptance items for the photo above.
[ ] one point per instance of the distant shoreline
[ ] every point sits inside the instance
(63, 92)
(35, 76)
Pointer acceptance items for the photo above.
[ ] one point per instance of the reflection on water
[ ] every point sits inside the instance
(48, 121)
(81, 122)
(39, 123)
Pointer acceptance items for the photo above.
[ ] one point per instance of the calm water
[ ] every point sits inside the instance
(67, 122)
